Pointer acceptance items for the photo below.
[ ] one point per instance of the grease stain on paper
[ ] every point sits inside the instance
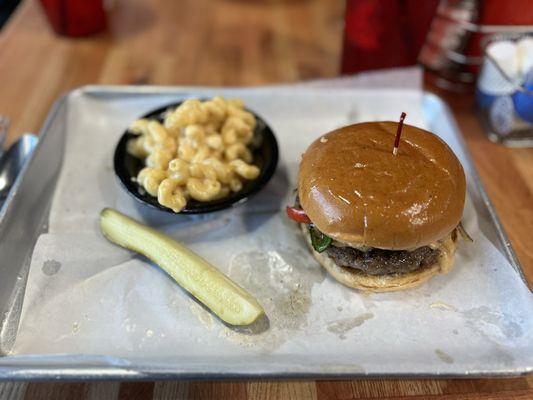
(51, 267)
(483, 319)
(343, 326)
(281, 281)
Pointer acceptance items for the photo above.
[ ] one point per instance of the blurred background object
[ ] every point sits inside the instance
(444, 36)
(6, 9)
(384, 33)
(448, 38)
(452, 52)
(504, 93)
(75, 17)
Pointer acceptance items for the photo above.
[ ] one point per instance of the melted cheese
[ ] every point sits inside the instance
(446, 246)
(359, 247)
(447, 250)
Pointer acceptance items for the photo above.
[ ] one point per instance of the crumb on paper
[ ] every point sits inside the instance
(149, 333)
(205, 318)
(443, 356)
(236, 337)
(130, 327)
(332, 368)
(442, 306)
(75, 327)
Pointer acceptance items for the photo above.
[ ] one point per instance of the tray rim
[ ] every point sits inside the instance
(32, 372)
(73, 374)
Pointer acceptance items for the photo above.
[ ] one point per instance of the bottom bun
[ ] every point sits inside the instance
(357, 279)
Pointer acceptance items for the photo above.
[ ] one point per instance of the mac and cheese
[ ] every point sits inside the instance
(200, 151)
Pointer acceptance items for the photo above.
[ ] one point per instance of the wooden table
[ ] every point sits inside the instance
(235, 42)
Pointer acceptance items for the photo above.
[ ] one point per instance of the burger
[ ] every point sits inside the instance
(376, 216)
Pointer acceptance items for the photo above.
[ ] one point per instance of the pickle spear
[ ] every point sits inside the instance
(226, 299)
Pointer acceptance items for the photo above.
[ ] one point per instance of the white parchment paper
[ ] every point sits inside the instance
(87, 296)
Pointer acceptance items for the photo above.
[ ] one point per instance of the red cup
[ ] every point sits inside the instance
(75, 18)
(384, 33)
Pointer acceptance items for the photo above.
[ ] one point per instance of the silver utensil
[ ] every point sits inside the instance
(12, 161)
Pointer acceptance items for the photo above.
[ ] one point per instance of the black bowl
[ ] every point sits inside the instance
(265, 156)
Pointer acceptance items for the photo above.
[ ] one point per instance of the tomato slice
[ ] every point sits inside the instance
(298, 215)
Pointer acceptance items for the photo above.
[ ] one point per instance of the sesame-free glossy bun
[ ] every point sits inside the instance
(356, 191)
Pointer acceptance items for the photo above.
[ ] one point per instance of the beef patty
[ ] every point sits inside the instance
(382, 262)
(379, 261)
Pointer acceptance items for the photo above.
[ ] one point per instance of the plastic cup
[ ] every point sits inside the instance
(491, 81)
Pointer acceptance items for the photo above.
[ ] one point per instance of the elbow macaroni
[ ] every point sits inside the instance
(170, 194)
(247, 171)
(200, 151)
(150, 179)
(203, 189)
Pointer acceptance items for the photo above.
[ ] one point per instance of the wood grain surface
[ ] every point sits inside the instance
(235, 42)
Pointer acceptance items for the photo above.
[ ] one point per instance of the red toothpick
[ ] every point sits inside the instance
(398, 134)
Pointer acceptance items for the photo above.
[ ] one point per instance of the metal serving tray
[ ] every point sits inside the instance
(25, 216)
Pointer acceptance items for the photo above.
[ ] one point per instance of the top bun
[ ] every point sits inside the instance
(356, 191)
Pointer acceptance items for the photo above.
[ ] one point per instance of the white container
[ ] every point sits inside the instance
(499, 75)
(504, 93)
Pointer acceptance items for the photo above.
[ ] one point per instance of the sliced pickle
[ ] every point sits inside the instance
(226, 299)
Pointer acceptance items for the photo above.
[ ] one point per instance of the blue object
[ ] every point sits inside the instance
(523, 101)
(483, 99)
